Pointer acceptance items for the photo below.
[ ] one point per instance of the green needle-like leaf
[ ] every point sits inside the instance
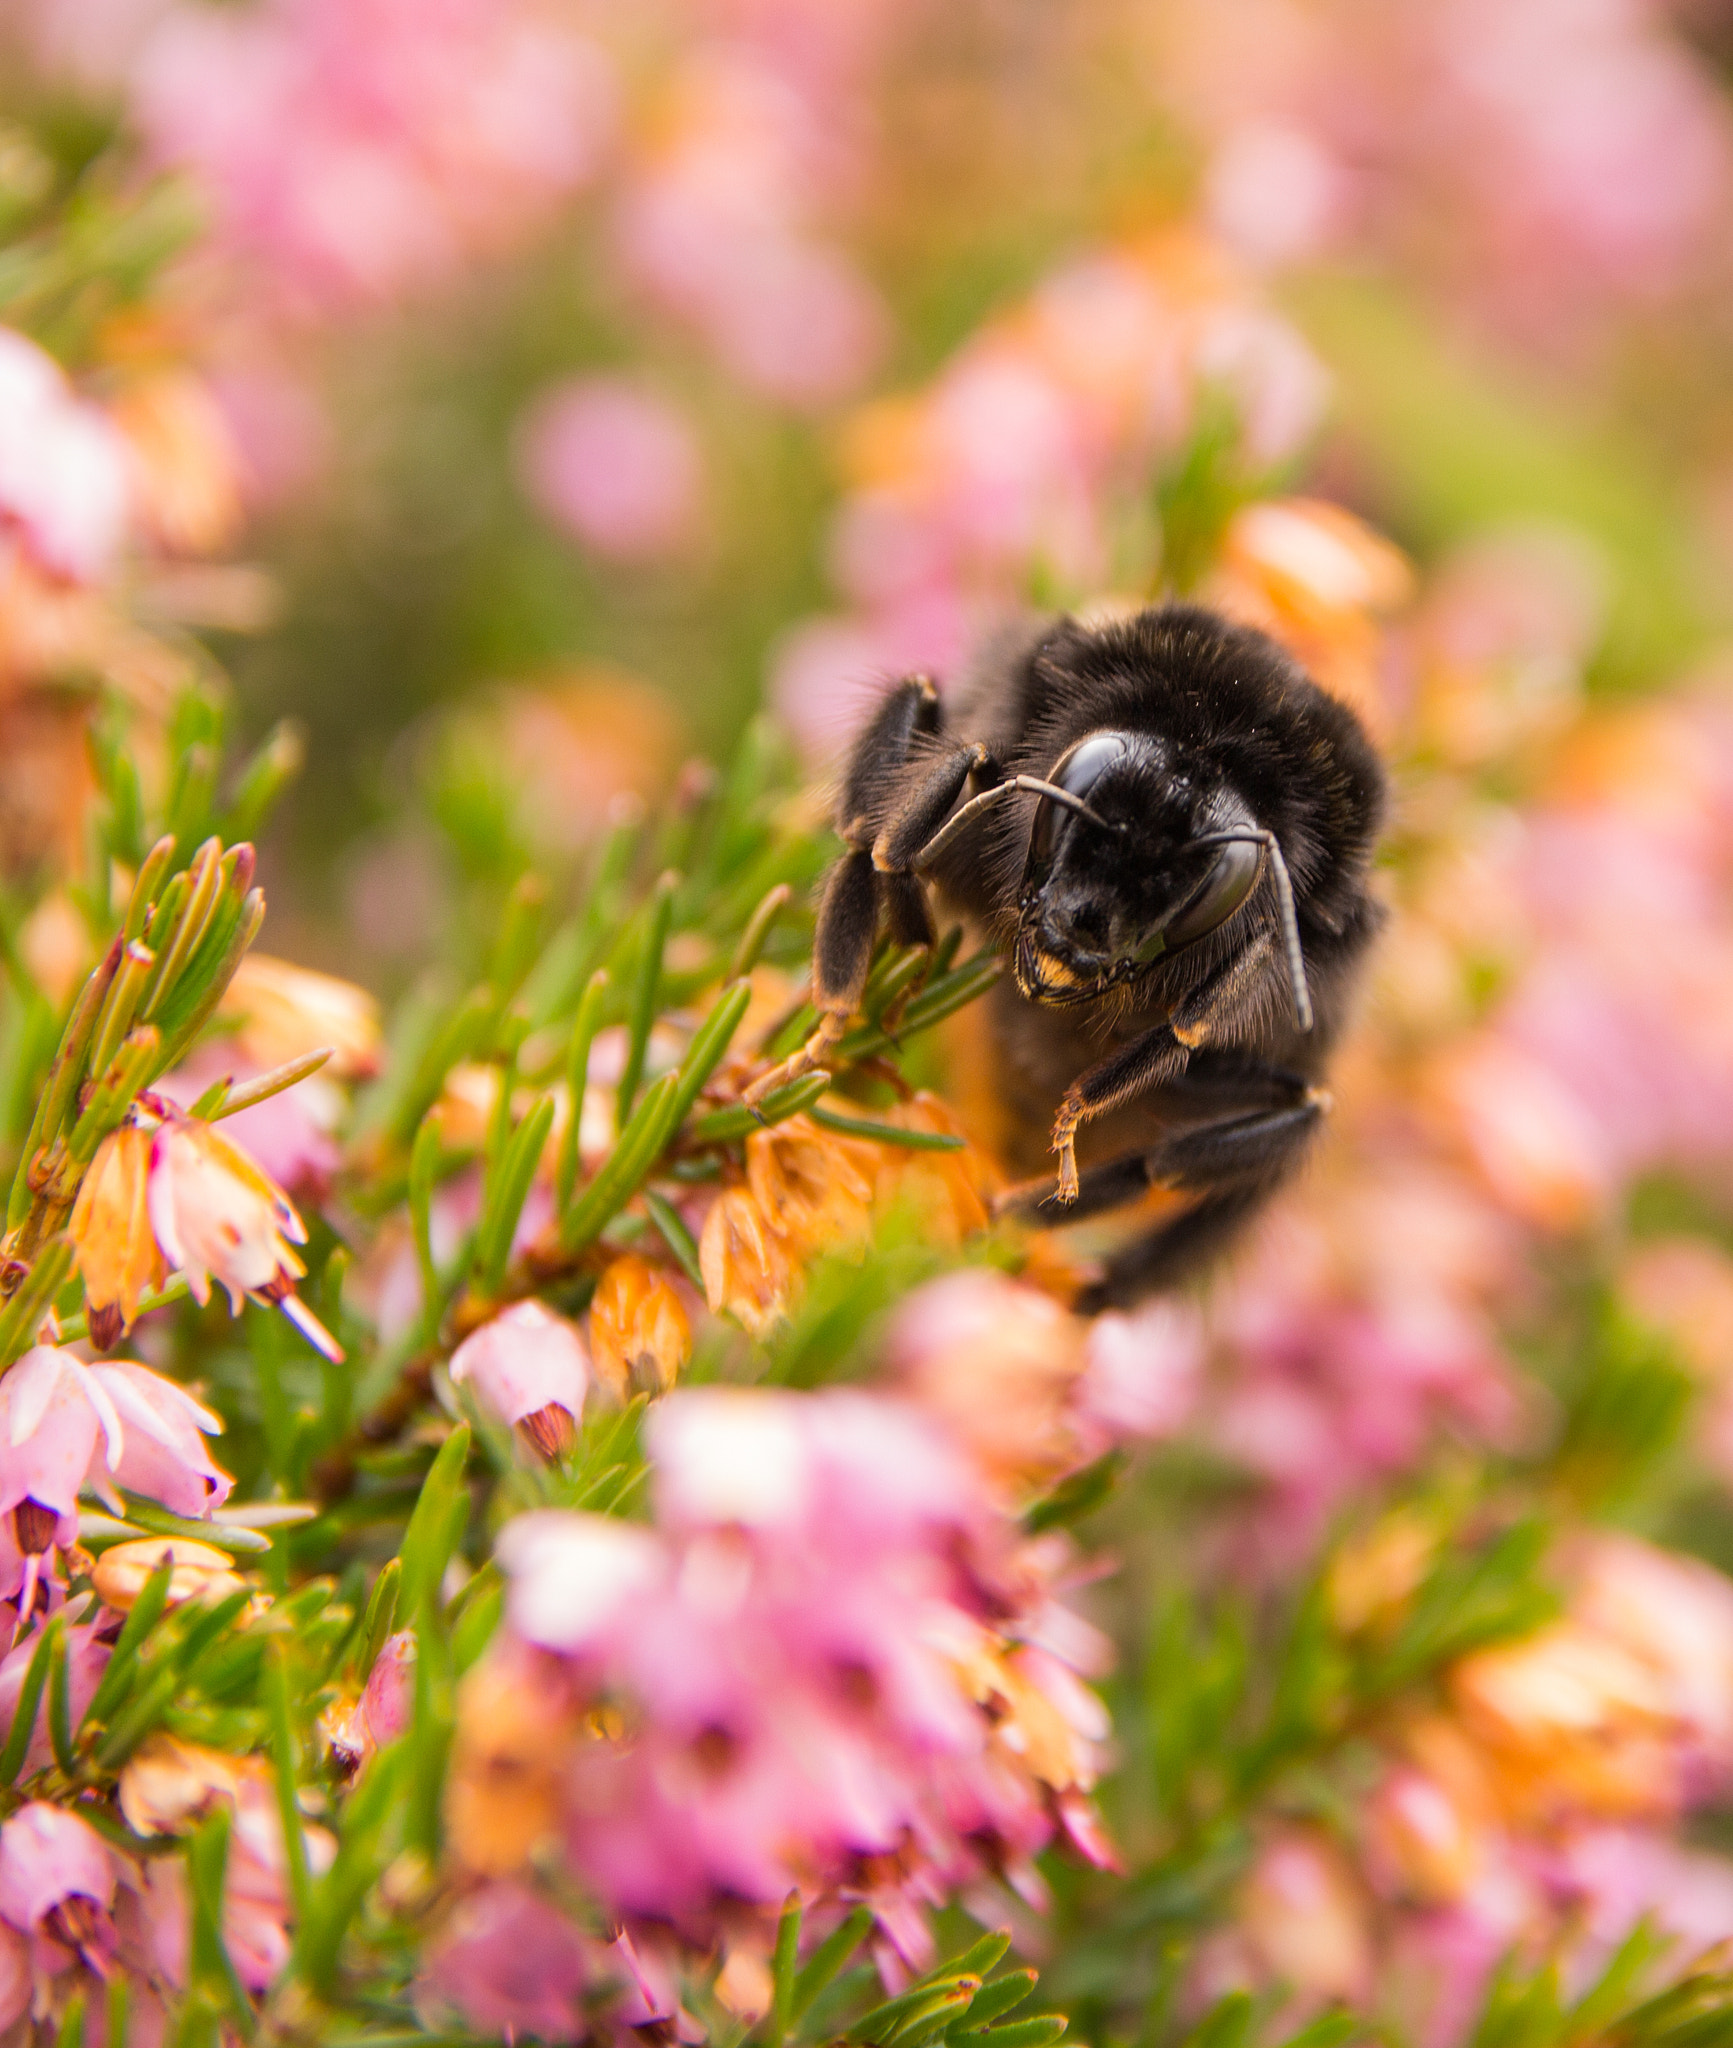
(29, 1704)
(437, 1523)
(643, 1013)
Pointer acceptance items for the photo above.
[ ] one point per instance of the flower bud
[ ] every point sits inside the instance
(389, 1700)
(639, 1333)
(355, 1728)
(198, 1572)
(527, 1369)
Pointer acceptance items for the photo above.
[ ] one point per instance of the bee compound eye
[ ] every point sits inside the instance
(1077, 771)
(1223, 890)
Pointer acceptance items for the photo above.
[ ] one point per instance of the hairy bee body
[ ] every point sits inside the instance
(1167, 828)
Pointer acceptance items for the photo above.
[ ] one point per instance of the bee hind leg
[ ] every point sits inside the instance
(1173, 1252)
(1233, 1167)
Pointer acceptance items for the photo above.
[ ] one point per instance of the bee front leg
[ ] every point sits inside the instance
(848, 921)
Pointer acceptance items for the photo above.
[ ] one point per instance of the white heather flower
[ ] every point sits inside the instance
(528, 1368)
(218, 1215)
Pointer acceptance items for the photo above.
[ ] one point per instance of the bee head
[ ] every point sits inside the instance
(1146, 868)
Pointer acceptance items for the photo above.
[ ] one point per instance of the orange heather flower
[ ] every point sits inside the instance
(745, 1268)
(953, 1191)
(502, 1799)
(168, 1783)
(198, 1571)
(185, 469)
(1571, 1719)
(111, 1231)
(809, 1186)
(639, 1333)
(286, 1012)
(1317, 579)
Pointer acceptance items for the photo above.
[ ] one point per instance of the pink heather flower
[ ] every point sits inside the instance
(802, 1655)
(1142, 1372)
(1278, 386)
(511, 1963)
(1571, 159)
(1328, 1373)
(165, 1788)
(389, 1699)
(1274, 192)
(57, 1879)
(528, 1367)
(1022, 1384)
(718, 227)
(1025, 464)
(616, 465)
(63, 474)
(216, 1215)
(257, 1907)
(357, 150)
(1608, 1879)
(65, 1426)
(163, 1454)
(15, 1976)
(574, 1575)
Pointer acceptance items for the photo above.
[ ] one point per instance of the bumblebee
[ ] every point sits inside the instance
(1167, 829)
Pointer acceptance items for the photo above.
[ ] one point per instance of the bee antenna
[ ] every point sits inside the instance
(959, 819)
(1290, 924)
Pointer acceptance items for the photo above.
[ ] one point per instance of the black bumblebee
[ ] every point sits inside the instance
(1168, 828)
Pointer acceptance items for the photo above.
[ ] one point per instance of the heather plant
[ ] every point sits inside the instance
(501, 1536)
